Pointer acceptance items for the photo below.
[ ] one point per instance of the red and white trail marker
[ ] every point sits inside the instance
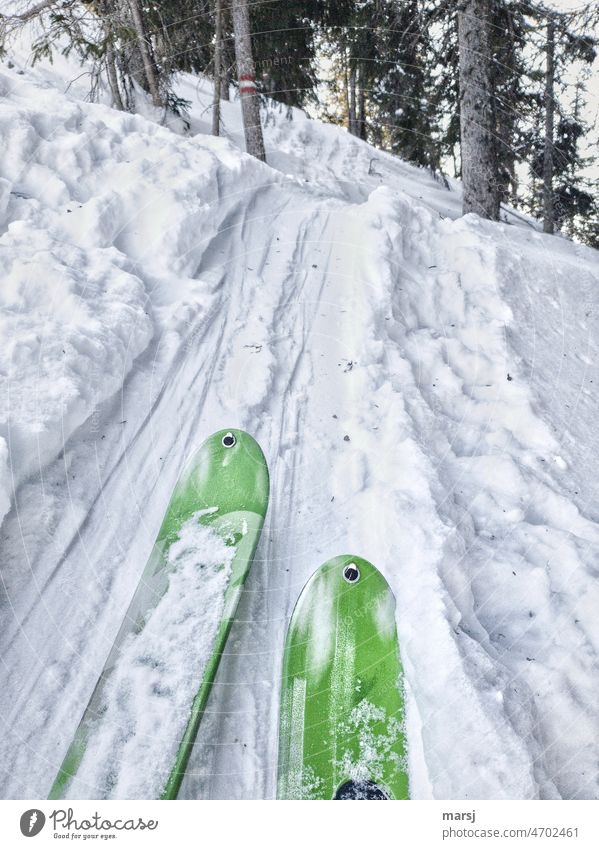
(247, 84)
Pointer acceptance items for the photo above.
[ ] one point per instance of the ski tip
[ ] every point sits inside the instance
(233, 440)
(236, 453)
(350, 570)
(348, 580)
(228, 473)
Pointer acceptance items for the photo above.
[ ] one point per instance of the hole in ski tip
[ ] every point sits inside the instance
(351, 573)
(228, 440)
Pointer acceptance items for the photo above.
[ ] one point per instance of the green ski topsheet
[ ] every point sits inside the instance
(342, 710)
(136, 735)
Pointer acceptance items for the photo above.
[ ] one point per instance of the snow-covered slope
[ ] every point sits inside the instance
(422, 385)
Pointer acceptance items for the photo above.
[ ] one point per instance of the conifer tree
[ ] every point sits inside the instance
(406, 96)
(285, 49)
(561, 193)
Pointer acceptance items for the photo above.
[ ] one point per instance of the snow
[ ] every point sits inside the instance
(423, 386)
(73, 323)
(146, 705)
(375, 750)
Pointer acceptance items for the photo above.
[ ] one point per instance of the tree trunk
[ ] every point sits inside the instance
(218, 63)
(113, 81)
(477, 145)
(150, 69)
(548, 205)
(362, 105)
(106, 14)
(246, 73)
(225, 84)
(352, 117)
(346, 81)
(513, 198)
(227, 55)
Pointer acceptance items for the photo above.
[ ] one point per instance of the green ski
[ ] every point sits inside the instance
(136, 735)
(342, 733)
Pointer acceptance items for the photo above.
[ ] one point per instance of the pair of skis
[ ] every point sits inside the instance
(341, 726)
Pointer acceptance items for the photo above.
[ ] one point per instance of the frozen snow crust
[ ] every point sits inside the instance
(423, 386)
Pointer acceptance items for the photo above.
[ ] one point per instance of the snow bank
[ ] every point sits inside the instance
(494, 553)
(72, 322)
(105, 218)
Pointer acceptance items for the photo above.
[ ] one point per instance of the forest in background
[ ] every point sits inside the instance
(491, 91)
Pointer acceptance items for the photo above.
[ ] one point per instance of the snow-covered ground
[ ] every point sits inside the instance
(423, 386)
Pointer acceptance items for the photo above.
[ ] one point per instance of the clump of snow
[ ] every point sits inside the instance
(72, 322)
(304, 784)
(375, 746)
(146, 704)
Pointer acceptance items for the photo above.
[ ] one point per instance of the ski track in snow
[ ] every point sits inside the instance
(399, 368)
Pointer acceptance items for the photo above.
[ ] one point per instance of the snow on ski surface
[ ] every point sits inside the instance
(423, 386)
(145, 706)
(375, 752)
